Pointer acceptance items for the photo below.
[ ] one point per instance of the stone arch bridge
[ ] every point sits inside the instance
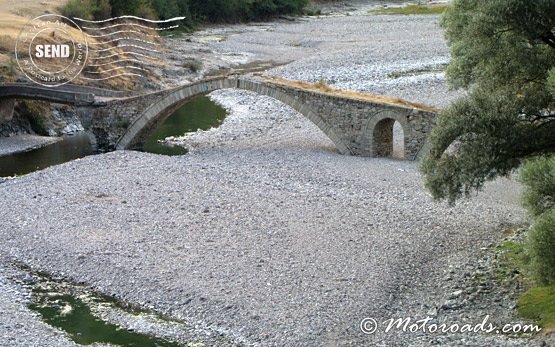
(356, 125)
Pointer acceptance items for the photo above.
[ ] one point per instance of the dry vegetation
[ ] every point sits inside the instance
(324, 88)
(14, 14)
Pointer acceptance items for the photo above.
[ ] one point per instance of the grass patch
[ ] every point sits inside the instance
(538, 304)
(514, 259)
(514, 253)
(322, 85)
(412, 9)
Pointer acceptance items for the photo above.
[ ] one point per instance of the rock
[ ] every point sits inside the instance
(455, 294)
(450, 305)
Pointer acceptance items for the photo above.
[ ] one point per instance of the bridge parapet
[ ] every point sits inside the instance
(357, 126)
(36, 92)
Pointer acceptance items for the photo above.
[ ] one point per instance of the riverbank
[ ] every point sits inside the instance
(24, 143)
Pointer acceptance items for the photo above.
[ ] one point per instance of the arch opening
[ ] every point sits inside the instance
(389, 139)
(158, 111)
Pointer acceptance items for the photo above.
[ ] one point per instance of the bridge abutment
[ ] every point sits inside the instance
(6, 110)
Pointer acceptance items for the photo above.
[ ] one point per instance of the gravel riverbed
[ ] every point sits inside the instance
(263, 234)
(399, 56)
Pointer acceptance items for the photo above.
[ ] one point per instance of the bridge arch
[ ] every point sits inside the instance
(160, 110)
(379, 133)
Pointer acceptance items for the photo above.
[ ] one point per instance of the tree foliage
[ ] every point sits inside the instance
(195, 11)
(538, 178)
(209, 10)
(503, 53)
(541, 246)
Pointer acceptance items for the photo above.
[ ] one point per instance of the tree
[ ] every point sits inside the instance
(141, 8)
(166, 9)
(103, 10)
(503, 52)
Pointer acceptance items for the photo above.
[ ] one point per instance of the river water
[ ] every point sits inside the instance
(199, 113)
(70, 148)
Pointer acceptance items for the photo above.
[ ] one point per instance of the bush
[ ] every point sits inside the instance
(37, 113)
(145, 10)
(193, 65)
(103, 10)
(167, 8)
(541, 248)
(221, 11)
(11, 68)
(290, 6)
(538, 177)
(84, 9)
(139, 8)
(195, 11)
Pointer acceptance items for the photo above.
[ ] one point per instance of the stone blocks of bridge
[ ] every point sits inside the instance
(356, 127)
(6, 110)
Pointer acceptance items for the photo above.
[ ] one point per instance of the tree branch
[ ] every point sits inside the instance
(549, 38)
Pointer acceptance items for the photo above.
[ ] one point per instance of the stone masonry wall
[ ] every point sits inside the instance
(349, 123)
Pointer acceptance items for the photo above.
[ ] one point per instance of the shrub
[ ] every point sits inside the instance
(322, 85)
(37, 113)
(193, 65)
(145, 10)
(84, 9)
(290, 6)
(551, 81)
(103, 10)
(541, 247)
(167, 8)
(140, 8)
(195, 11)
(538, 177)
(223, 11)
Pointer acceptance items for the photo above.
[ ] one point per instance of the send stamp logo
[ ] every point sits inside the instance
(51, 50)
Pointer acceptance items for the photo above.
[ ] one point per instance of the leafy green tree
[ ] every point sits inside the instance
(290, 6)
(261, 9)
(141, 8)
(166, 8)
(503, 52)
(538, 178)
(221, 10)
(541, 248)
(103, 10)
(79, 9)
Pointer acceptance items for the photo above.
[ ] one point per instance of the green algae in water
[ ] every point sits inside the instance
(198, 113)
(74, 317)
